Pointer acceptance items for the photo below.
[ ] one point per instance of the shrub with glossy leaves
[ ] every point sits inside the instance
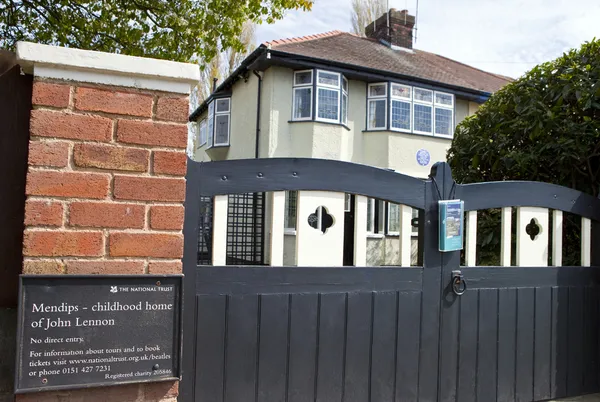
(544, 126)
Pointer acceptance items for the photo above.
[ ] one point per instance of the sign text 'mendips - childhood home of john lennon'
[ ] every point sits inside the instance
(372, 100)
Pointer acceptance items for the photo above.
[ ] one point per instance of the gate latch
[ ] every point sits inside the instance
(459, 285)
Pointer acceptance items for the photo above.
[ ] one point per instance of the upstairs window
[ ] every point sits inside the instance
(330, 92)
(411, 109)
(218, 123)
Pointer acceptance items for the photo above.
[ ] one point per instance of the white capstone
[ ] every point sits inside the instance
(106, 68)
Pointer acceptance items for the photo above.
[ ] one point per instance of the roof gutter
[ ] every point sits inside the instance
(373, 74)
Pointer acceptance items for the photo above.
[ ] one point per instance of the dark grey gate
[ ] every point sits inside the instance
(385, 334)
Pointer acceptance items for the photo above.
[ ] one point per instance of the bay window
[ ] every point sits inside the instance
(411, 109)
(330, 91)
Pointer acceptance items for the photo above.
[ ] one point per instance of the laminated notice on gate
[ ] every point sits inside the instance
(451, 225)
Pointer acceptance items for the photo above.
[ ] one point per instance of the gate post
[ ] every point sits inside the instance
(436, 275)
(105, 179)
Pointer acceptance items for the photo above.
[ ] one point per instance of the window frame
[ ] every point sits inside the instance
(377, 98)
(374, 128)
(387, 219)
(303, 86)
(408, 100)
(344, 116)
(287, 228)
(423, 103)
(451, 108)
(312, 77)
(328, 87)
(339, 75)
(378, 227)
(323, 119)
(202, 126)
(228, 114)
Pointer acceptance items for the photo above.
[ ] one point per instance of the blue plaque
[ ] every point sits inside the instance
(423, 157)
(451, 225)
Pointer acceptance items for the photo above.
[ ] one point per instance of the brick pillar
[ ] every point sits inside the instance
(105, 181)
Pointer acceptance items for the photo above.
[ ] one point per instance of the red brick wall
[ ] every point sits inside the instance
(105, 192)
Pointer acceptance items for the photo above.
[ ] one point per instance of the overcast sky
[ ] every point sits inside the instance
(502, 36)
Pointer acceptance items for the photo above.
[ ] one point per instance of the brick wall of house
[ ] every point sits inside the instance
(105, 192)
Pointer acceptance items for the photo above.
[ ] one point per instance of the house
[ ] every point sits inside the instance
(373, 100)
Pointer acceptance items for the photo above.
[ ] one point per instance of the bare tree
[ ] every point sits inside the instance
(219, 68)
(364, 12)
(222, 65)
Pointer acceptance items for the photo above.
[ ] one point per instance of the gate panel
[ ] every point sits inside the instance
(307, 334)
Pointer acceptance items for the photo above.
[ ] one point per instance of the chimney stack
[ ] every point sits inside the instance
(399, 32)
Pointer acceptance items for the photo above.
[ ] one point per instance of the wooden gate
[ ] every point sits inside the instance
(323, 332)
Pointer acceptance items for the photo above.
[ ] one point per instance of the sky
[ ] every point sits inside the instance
(502, 36)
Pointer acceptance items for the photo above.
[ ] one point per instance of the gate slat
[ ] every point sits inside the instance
(532, 253)
(586, 242)
(487, 356)
(358, 343)
(303, 346)
(219, 246)
(467, 347)
(384, 345)
(575, 341)
(211, 324)
(471, 239)
(241, 354)
(405, 236)
(590, 372)
(272, 363)
(557, 237)
(331, 347)
(543, 344)
(525, 344)
(506, 237)
(277, 223)
(360, 231)
(507, 329)
(560, 343)
(407, 365)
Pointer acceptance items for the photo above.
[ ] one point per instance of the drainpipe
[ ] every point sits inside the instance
(257, 112)
(259, 237)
